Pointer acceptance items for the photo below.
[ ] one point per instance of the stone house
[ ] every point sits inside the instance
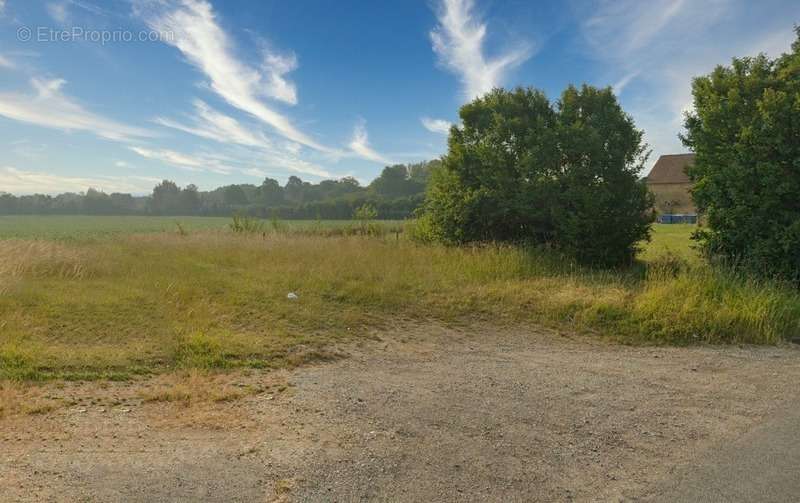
(670, 184)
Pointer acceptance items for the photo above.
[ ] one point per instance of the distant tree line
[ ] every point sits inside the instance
(395, 194)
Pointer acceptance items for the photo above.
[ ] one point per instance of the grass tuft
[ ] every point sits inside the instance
(17, 365)
(199, 351)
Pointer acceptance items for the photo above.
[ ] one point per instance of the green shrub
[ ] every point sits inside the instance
(365, 215)
(521, 169)
(420, 230)
(745, 130)
(245, 224)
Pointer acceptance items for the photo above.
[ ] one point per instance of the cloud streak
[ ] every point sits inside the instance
(49, 107)
(214, 125)
(204, 44)
(183, 161)
(661, 45)
(17, 181)
(360, 145)
(459, 40)
(439, 126)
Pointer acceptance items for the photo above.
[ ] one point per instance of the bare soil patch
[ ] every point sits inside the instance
(419, 414)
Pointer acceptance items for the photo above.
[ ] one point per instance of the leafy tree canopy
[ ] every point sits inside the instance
(523, 169)
(745, 131)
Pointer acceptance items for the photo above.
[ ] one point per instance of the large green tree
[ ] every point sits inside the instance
(165, 199)
(745, 130)
(523, 169)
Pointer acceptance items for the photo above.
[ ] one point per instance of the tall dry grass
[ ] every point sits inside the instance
(39, 258)
(149, 303)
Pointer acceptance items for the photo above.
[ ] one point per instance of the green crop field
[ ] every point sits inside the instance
(673, 238)
(111, 297)
(81, 227)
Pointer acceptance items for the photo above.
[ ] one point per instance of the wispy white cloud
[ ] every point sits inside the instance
(360, 144)
(276, 66)
(626, 26)
(183, 161)
(214, 125)
(49, 107)
(2, 7)
(440, 126)
(622, 83)
(255, 172)
(211, 124)
(207, 46)
(459, 39)
(660, 45)
(17, 181)
(62, 11)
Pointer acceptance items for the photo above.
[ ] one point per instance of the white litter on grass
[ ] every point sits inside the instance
(292, 296)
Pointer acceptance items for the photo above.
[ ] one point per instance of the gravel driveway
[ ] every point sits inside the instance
(419, 414)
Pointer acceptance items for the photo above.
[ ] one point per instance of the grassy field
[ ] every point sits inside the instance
(671, 239)
(91, 227)
(138, 303)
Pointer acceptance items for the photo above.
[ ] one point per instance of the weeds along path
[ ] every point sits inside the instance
(419, 413)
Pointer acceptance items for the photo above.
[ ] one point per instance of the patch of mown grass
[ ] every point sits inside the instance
(218, 300)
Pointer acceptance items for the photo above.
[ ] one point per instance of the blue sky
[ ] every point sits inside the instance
(216, 92)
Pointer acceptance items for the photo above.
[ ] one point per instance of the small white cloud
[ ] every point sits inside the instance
(458, 41)
(6, 63)
(440, 126)
(49, 107)
(258, 173)
(276, 67)
(294, 148)
(17, 181)
(59, 11)
(360, 144)
(2, 7)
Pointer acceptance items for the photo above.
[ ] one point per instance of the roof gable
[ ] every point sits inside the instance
(671, 169)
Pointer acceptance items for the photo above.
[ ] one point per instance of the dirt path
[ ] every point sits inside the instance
(762, 465)
(421, 415)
